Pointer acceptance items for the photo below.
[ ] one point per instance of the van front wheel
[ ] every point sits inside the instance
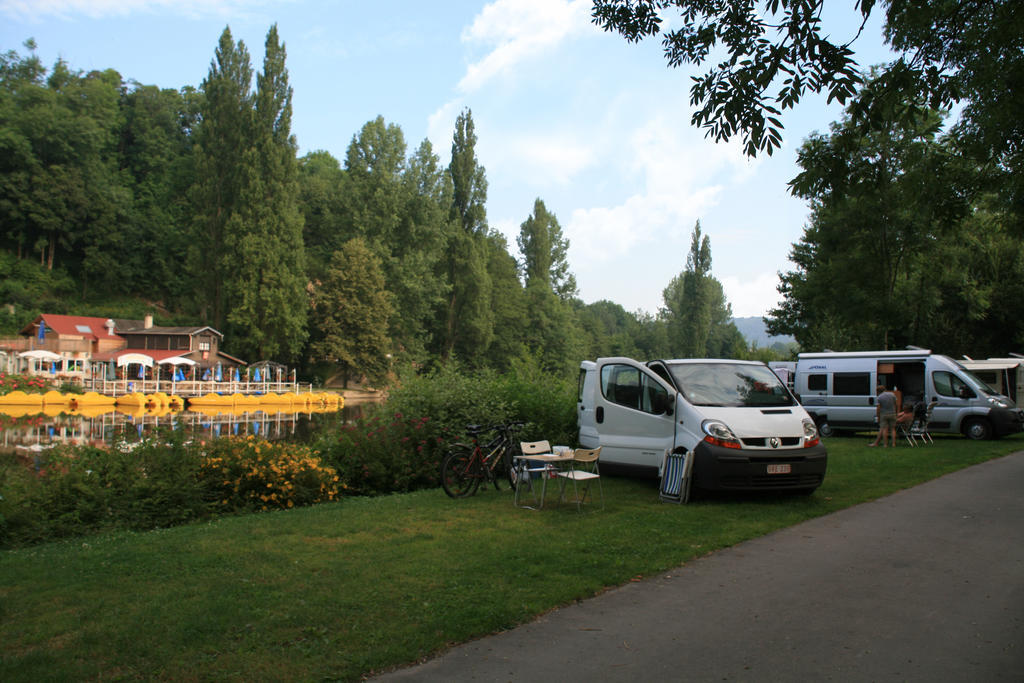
(977, 429)
(825, 429)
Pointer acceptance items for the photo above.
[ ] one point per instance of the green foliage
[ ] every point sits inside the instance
(264, 259)
(29, 384)
(162, 481)
(384, 453)
(352, 308)
(773, 53)
(469, 326)
(698, 319)
(901, 248)
(453, 398)
(248, 474)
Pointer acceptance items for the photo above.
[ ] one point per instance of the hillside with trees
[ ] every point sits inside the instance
(121, 199)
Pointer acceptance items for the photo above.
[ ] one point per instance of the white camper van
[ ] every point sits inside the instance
(744, 427)
(838, 390)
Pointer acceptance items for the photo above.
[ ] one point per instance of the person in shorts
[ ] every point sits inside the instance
(885, 410)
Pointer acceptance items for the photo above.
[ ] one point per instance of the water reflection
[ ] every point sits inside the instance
(39, 428)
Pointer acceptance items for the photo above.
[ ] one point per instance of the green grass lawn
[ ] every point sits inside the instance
(340, 590)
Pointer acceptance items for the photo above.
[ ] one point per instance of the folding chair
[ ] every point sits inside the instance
(919, 427)
(906, 430)
(527, 470)
(583, 469)
(675, 477)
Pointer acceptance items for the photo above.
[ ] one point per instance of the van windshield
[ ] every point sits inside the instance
(976, 382)
(730, 385)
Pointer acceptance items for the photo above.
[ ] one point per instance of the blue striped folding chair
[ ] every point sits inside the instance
(675, 477)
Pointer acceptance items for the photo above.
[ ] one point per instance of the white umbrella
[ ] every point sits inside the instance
(140, 358)
(40, 354)
(177, 360)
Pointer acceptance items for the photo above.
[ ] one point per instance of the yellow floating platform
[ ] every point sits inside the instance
(20, 398)
(133, 399)
(91, 398)
(55, 398)
(92, 409)
(15, 410)
(212, 400)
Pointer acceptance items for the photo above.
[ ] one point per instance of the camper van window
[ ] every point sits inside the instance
(728, 384)
(627, 386)
(851, 384)
(817, 382)
(948, 384)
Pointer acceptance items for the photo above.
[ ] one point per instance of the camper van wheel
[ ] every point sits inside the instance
(977, 429)
(825, 429)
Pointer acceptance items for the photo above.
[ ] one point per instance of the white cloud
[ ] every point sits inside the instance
(517, 30)
(38, 10)
(679, 181)
(441, 126)
(753, 295)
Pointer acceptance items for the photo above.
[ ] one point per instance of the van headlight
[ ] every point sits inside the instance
(810, 433)
(719, 434)
(998, 402)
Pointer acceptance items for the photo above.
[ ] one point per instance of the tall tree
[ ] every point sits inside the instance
(509, 307)
(545, 252)
(469, 325)
(351, 309)
(882, 203)
(223, 138)
(549, 286)
(418, 250)
(156, 155)
(688, 300)
(264, 252)
(320, 196)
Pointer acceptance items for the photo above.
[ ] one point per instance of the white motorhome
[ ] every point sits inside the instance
(1004, 375)
(745, 428)
(838, 391)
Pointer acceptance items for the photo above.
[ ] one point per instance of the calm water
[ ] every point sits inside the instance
(22, 431)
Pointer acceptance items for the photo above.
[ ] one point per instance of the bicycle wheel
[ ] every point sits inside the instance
(513, 468)
(460, 472)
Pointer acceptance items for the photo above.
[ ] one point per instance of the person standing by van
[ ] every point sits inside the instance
(885, 410)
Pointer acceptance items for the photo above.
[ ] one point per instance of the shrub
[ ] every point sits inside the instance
(384, 453)
(242, 474)
(162, 481)
(30, 384)
(452, 399)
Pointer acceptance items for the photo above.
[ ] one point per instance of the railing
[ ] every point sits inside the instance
(19, 344)
(187, 388)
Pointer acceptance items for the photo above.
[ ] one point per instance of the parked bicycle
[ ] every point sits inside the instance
(465, 465)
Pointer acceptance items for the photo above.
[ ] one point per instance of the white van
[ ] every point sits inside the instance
(744, 427)
(838, 390)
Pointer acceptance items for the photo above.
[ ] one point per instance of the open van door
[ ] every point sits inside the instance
(633, 412)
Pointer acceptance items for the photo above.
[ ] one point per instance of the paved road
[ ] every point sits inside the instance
(924, 585)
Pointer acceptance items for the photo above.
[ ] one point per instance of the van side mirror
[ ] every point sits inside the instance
(661, 404)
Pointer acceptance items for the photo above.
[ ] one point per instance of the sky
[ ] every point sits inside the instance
(594, 126)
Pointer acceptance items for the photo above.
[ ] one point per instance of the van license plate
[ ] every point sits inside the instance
(780, 469)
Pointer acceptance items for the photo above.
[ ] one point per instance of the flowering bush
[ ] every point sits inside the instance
(242, 474)
(384, 453)
(161, 481)
(30, 384)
